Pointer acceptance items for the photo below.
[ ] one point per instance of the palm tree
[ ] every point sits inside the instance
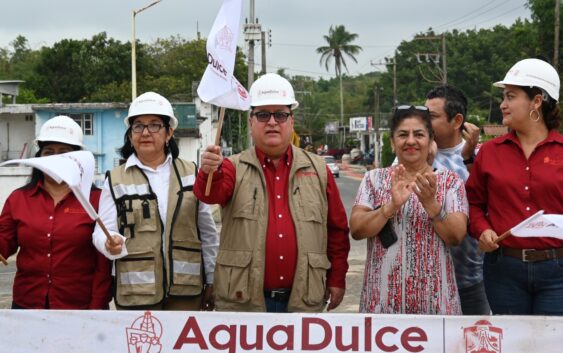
(339, 45)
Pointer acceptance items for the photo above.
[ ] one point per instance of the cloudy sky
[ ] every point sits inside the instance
(297, 26)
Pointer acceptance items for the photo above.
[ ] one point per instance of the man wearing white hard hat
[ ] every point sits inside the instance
(284, 239)
(165, 241)
(515, 176)
(43, 221)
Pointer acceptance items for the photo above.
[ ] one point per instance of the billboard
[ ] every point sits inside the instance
(331, 128)
(363, 123)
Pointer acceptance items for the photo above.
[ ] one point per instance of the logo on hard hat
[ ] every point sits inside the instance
(271, 91)
(483, 337)
(144, 335)
(224, 39)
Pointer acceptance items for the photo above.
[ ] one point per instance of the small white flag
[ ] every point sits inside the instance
(218, 85)
(76, 169)
(540, 225)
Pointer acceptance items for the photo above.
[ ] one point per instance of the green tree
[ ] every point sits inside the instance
(387, 155)
(73, 70)
(58, 75)
(339, 47)
(543, 15)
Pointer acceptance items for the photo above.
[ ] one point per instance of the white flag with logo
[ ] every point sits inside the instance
(540, 225)
(76, 169)
(218, 85)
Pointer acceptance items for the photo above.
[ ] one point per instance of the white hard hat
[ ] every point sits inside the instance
(533, 73)
(272, 89)
(61, 129)
(151, 103)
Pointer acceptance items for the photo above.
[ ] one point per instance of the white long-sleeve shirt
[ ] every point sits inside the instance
(159, 180)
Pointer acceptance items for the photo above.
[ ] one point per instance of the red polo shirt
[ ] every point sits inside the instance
(281, 242)
(504, 188)
(56, 258)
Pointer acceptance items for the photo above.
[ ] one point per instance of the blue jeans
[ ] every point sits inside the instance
(515, 287)
(474, 300)
(275, 305)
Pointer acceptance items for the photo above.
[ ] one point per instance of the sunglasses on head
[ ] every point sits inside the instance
(421, 108)
(264, 117)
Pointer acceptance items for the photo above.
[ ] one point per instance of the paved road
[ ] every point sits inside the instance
(348, 185)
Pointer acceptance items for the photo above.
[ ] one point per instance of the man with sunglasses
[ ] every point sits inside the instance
(457, 140)
(284, 241)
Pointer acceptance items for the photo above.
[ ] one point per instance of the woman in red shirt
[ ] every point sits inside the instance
(57, 265)
(513, 177)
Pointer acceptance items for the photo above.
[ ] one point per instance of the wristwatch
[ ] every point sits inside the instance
(440, 216)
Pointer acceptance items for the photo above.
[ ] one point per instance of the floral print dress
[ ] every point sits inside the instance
(416, 274)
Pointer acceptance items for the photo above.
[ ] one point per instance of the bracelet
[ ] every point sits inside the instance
(442, 215)
(384, 215)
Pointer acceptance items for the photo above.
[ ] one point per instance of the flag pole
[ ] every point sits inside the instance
(217, 142)
(105, 230)
(502, 237)
(91, 212)
(3, 260)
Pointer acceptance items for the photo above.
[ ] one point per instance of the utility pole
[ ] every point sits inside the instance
(252, 33)
(395, 100)
(444, 65)
(376, 152)
(443, 72)
(393, 62)
(556, 39)
(263, 52)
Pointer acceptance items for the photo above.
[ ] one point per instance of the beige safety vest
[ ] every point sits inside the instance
(239, 271)
(150, 273)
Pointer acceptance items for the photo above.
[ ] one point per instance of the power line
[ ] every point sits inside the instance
(466, 15)
(497, 16)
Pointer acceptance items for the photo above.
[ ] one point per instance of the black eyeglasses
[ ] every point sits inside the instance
(152, 127)
(421, 108)
(264, 117)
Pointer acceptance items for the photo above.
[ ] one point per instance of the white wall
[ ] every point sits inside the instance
(12, 178)
(15, 131)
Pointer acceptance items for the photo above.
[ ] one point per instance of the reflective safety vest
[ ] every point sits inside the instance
(151, 272)
(239, 270)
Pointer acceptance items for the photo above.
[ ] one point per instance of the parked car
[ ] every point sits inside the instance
(331, 163)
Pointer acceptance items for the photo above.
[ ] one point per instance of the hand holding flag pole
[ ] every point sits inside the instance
(218, 85)
(217, 141)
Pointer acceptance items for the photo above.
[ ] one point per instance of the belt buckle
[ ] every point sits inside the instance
(277, 293)
(525, 255)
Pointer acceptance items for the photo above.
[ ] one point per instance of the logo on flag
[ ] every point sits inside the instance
(483, 337)
(224, 39)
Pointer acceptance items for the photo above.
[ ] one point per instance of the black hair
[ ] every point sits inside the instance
(549, 107)
(401, 114)
(127, 149)
(455, 101)
(36, 174)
